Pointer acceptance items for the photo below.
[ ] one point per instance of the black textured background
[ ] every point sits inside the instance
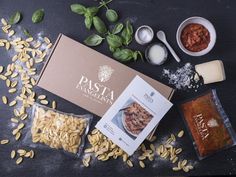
(160, 14)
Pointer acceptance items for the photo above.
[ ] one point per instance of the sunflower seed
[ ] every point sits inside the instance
(20, 126)
(181, 134)
(185, 169)
(179, 150)
(12, 90)
(32, 154)
(42, 97)
(4, 22)
(13, 103)
(14, 84)
(153, 138)
(4, 99)
(14, 120)
(15, 131)
(173, 137)
(46, 40)
(184, 162)
(30, 39)
(14, 75)
(13, 154)
(176, 169)
(4, 141)
(21, 152)
(45, 102)
(18, 135)
(3, 77)
(1, 69)
(8, 83)
(141, 163)
(152, 147)
(129, 163)
(24, 116)
(19, 160)
(27, 154)
(54, 104)
(11, 33)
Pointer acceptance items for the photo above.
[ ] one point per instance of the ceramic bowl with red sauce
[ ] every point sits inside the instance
(196, 36)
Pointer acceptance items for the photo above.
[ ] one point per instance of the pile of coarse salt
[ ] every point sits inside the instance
(183, 78)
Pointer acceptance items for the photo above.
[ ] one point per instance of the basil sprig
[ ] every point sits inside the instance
(116, 38)
(126, 55)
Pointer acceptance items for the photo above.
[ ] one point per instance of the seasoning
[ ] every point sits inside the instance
(156, 54)
(208, 124)
(183, 78)
(195, 37)
(144, 34)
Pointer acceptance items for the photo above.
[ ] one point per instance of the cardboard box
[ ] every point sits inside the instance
(88, 78)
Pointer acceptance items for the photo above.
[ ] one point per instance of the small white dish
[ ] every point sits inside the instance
(147, 37)
(207, 24)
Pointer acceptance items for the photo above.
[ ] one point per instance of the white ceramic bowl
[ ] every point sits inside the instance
(207, 24)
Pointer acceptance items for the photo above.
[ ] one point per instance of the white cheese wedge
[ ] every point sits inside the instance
(211, 72)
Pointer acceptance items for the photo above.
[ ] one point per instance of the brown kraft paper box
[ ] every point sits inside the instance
(88, 78)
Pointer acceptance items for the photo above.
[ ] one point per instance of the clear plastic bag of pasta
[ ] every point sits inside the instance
(57, 130)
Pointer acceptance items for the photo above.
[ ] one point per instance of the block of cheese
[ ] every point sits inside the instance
(211, 72)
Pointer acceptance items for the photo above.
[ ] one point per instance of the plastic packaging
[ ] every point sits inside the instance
(55, 129)
(208, 124)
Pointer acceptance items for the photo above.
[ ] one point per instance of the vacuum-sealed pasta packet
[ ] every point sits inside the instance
(57, 130)
(208, 124)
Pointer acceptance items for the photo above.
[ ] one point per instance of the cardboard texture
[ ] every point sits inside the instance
(88, 78)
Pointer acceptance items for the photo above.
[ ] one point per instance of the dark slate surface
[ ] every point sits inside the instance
(160, 14)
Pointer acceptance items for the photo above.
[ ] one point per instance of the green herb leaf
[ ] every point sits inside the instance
(112, 49)
(88, 22)
(37, 16)
(127, 33)
(111, 15)
(26, 33)
(114, 41)
(118, 28)
(93, 40)
(126, 55)
(99, 25)
(92, 11)
(15, 18)
(78, 9)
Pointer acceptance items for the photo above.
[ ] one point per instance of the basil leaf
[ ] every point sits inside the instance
(37, 16)
(112, 49)
(93, 40)
(88, 21)
(92, 11)
(137, 54)
(15, 18)
(123, 55)
(114, 41)
(99, 25)
(26, 33)
(78, 9)
(118, 28)
(127, 33)
(111, 15)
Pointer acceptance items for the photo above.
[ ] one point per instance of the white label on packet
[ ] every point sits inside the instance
(134, 115)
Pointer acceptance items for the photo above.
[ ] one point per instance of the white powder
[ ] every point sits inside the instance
(183, 78)
(145, 35)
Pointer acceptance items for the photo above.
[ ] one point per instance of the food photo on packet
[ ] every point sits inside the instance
(115, 90)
